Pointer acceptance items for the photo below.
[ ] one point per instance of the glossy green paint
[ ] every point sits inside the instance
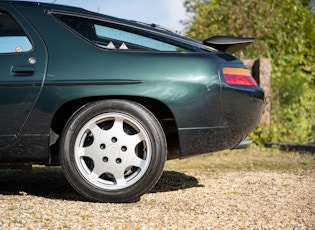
(20, 83)
(71, 71)
(178, 80)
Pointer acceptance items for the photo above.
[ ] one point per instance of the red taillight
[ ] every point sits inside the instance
(238, 76)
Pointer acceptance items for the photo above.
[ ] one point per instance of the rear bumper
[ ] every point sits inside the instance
(240, 113)
(205, 140)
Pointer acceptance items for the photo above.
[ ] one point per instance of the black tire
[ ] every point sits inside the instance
(113, 151)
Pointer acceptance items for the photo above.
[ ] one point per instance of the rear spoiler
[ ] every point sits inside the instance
(227, 43)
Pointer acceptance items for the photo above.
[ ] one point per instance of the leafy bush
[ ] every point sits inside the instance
(285, 33)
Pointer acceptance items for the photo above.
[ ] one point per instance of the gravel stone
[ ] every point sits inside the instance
(41, 199)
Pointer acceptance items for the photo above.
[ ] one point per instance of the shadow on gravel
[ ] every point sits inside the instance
(51, 183)
(173, 181)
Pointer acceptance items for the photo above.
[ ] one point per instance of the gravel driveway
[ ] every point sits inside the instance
(42, 199)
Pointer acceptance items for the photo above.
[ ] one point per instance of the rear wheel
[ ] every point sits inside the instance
(113, 151)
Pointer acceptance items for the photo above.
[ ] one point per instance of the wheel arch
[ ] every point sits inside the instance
(159, 109)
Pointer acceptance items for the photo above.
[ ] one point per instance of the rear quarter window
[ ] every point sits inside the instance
(113, 36)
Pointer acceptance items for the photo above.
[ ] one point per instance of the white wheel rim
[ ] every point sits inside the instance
(112, 151)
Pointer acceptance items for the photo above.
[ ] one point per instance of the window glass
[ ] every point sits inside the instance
(120, 37)
(114, 36)
(12, 37)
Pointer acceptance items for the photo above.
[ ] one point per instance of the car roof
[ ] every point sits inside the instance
(83, 12)
(38, 3)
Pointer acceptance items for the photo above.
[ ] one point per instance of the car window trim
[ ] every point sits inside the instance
(190, 45)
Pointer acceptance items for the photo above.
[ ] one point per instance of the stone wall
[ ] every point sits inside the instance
(261, 71)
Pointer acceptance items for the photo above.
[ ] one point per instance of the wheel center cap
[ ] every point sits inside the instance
(113, 150)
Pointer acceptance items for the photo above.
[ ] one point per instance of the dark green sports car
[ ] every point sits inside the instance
(110, 99)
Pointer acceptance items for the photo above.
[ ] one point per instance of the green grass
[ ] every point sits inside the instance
(253, 158)
(13, 208)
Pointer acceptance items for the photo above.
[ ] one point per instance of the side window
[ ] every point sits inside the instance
(114, 36)
(12, 37)
(125, 40)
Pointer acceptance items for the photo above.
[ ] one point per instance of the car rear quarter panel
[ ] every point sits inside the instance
(187, 83)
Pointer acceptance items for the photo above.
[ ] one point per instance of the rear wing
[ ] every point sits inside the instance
(228, 43)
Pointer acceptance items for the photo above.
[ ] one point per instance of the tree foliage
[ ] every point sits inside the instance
(285, 32)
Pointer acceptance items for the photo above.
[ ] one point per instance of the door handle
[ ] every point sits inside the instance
(22, 70)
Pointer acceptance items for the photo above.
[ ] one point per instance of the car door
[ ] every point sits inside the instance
(23, 60)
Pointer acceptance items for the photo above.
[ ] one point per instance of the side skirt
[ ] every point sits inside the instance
(26, 149)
